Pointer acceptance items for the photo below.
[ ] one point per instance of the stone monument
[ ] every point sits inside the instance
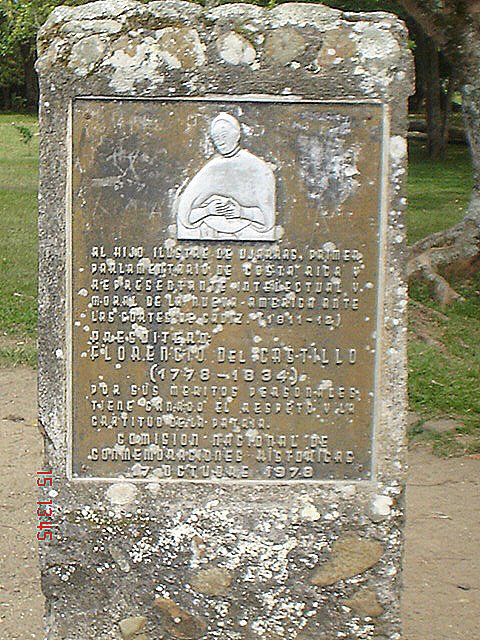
(222, 321)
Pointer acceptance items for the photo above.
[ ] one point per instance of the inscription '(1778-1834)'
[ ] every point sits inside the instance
(225, 288)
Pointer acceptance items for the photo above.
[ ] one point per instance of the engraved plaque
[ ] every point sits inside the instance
(225, 288)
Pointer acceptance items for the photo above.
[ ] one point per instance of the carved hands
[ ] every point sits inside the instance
(224, 207)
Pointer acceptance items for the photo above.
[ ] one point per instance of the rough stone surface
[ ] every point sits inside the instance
(271, 539)
(337, 46)
(381, 508)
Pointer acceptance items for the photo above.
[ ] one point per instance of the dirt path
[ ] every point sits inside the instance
(442, 570)
(21, 602)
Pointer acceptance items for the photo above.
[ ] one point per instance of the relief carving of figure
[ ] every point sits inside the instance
(233, 196)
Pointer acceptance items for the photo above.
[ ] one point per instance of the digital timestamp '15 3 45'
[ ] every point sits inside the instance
(45, 508)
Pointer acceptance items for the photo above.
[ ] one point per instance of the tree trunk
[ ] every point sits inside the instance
(6, 98)
(435, 130)
(447, 109)
(30, 78)
(471, 116)
(421, 70)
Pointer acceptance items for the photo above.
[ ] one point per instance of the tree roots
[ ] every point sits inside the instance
(455, 250)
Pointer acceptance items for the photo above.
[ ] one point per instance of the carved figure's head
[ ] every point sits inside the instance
(225, 132)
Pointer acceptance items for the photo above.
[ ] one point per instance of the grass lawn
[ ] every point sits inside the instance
(438, 190)
(444, 351)
(444, 345)
(18, 240)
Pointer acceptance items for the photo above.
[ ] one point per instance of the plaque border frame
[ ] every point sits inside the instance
(382, 229)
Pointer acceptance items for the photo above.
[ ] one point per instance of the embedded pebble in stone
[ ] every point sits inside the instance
(336, 47)
(350, 556)
(398, 148)
(284, 45)
(121, 493)
(347, 491)
(181, 47)
(85, 54)
(378, 46)
(381, 508)
(365, 603)
(154, 488)
(198, 547)
(129, 627)
(178, 622)
(310, 512)
(235, 49)
(135, 62)
(120, 558)
(212, 581)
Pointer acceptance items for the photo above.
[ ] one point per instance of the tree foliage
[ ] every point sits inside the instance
(10, 67)
(449, 31)
(20, 21)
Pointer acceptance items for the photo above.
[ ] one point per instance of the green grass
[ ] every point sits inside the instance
(438, 190)
(444, 365)
(19, 350)
(444, 352)
(444, 344)
(18, 240)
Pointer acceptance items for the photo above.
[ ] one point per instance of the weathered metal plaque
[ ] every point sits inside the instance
(225, 285)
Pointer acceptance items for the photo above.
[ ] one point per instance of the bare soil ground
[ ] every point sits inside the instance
(21, 601)
(442, 565)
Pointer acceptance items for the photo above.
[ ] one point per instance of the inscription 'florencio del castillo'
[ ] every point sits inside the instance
(233, 196)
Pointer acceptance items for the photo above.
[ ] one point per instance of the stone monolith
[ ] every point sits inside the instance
(222, 321)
